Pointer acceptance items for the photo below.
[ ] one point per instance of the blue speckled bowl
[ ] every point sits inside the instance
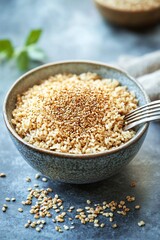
(75, 168)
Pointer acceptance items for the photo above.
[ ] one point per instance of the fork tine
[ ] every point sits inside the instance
(144, 120)
(145, 116)
(142, 112)
(147, 106)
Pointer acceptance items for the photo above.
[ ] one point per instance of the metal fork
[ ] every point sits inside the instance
(147, 113)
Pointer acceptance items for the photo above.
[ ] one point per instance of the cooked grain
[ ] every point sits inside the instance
(76, 114)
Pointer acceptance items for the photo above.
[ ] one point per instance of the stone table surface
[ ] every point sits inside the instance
(75, 30)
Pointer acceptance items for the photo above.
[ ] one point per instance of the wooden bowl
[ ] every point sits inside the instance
(129, 18)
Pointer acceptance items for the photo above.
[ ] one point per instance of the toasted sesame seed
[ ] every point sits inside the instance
(37, 176)
(65, 227)
(36, 185)
(102, 225)
(72, 207)
(2, 175)
(28, 179)
(88, 202)
(44, 180)
(137, 207)
(7, 199)
(114, 225)
(72, 227)
(4, 209)
(33, 225)
(20, 210)
(96, 225)
(26, 225)
(38, 229)
(141, 223)
(79, 210)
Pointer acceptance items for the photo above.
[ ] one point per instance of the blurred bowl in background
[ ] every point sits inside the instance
(129, 18)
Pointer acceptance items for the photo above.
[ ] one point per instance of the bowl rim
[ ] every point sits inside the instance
(138, 135)
(134, 11)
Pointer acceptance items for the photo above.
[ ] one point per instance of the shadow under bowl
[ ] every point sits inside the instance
(75, 168)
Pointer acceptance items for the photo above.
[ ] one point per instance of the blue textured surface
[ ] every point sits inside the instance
(74, 30)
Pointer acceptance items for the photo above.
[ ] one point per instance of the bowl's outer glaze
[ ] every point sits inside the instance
(67, 167)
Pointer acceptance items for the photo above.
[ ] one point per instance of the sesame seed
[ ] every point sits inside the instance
(137, 207)
(37, 176)
(79, 210)
(20, 210)
(33, 225)
(38, 229)
(65, 227)
(7, 199)
(141, 223)
(4, 209)
(88, 202)
(114, 225)
(28, 179)
(102, 225)
(72, 227)
(13, 199)
(26, 225)
(2, 175)
(36, 185)
(44, 180)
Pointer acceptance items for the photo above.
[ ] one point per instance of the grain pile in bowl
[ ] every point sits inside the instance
(135, 5)
(76, 114)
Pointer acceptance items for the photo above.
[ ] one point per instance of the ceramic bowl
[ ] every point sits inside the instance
(75, 168)
(129, 18)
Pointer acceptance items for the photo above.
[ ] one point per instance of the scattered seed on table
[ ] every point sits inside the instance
(4, 205)
(20, 210)
(114, 225)
(65, 227)
(33, 224)
(7, 199)
(37, 176)
(102, 225)
(44, 180)
(38, 229)
(36, 185)
(141, 223)
(13, 199)
(28, 179)
(4, 209)
(88, 202)
(137, 207)
(2, 175)
(72, 227)
(26, 225)
(41, 225)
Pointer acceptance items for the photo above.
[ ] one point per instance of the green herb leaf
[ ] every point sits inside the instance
(23, 60)
(6, 48)
(35, 53)
(33, 37)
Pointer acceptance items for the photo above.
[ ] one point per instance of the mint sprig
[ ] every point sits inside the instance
(25, 54)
